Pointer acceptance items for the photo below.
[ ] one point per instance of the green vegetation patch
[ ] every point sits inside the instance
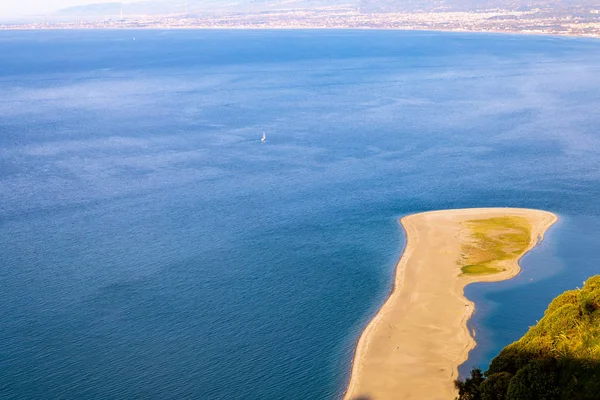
(479, 269)
(491, 241)
(558, 359)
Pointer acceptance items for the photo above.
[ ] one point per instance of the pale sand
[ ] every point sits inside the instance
(414, 345)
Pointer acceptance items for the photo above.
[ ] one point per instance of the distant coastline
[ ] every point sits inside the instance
(414, 345)
(484, 21)
(282, 28)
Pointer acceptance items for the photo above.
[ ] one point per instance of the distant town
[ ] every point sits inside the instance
(538, 21)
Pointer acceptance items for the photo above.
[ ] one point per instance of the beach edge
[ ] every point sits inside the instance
(411, 235)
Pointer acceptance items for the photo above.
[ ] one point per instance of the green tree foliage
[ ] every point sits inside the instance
(558, 359)
(469, 389)
(495, 387)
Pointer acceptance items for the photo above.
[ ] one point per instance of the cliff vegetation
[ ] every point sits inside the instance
(557, 359)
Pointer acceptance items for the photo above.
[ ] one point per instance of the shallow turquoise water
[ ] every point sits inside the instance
(152, 247)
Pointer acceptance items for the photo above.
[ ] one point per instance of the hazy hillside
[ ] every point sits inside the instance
(467, 5)
(204, 6)
(367, 6)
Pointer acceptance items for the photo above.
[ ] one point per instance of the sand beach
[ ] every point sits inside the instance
(413, 346)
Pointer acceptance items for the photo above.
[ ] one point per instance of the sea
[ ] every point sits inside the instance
(152, 247)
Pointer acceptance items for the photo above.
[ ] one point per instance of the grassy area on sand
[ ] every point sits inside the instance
(491, 242)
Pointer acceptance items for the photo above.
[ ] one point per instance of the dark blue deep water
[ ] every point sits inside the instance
(152, 248)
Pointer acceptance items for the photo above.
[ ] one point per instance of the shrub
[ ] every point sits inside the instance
(469, 389)
(569, 297)
(536, 381)
(592, 284)
(495, 386)
(562, 320)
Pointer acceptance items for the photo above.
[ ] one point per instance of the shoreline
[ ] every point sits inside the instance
(296, 28)
(407, 341)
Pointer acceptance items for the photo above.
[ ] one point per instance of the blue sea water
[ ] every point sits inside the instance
(152, 247)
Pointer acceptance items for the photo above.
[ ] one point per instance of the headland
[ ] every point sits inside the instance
(412, 348)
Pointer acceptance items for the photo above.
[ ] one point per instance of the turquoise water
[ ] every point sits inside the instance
(152, 247)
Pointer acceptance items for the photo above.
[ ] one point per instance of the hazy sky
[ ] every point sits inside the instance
(12, 8)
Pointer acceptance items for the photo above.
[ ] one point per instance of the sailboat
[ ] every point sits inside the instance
(263, 138)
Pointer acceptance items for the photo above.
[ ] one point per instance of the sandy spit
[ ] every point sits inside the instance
(413, 346)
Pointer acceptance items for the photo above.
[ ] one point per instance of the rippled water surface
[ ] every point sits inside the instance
(152, 247)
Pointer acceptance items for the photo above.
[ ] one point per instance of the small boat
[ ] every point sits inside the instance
(263, 138)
